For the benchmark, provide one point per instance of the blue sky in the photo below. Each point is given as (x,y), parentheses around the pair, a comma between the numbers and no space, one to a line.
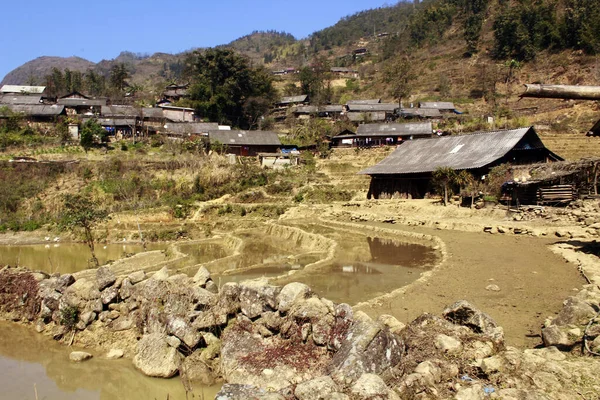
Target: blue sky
(101,30)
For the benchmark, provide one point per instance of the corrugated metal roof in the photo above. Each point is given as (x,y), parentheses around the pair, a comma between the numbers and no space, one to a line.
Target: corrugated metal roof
(371,101)
(440,105)
(245,138)
(37,110)
(129,122)
(192,128)
(394,129)
(458,152)
(420,112)
(370,116)
(19,99)
(119,111)
(175,108)
(293,99)
(315,109)
(387,107)
(22,89)
(152,112)
(81,102)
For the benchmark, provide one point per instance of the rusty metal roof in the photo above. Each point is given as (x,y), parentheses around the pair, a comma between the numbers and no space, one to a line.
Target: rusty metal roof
(394,129)
(458,152)
(245,138)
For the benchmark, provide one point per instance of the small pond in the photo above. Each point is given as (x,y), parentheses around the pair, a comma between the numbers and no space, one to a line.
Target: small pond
(67,257)
(32,362)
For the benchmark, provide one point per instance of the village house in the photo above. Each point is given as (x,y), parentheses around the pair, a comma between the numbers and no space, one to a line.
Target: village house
(407,172)
(444,107)
(391,134)
(78,104)
(35,113)
(174,92)
(357,112)
(289,101)
(344,72)
(22,89)
(244,143)
(333,111)
(420,113)
(365,101)
(6,99)
(178,114)
(189,129)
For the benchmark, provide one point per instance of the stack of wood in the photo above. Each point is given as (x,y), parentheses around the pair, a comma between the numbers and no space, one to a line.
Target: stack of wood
(556,194)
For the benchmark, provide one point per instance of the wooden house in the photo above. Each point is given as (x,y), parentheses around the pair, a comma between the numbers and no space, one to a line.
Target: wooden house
(407,172)
(444,107)
(189,129)
(370,135)
(355,110)
(175,92)
(177,114)
(22,89)
(328,111)
(344,72)
(289,101)
(78,104)
(244,143)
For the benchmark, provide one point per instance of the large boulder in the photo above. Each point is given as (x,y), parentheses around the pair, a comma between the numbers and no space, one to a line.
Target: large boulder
(290,294)
(179,327)
(318,388)
(575,311)
(202,276)
(105,277)
(195,369)
(368,347)
(154,357)
(465,314)
(257,296)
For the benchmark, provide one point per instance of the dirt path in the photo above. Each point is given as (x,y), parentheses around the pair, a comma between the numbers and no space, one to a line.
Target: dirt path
(533,281)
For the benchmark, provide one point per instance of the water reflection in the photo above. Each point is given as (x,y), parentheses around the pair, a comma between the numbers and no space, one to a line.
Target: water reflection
(66,257)
(28,359)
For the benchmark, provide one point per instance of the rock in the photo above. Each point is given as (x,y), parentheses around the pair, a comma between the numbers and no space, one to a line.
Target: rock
(575,311)
(183,330)
(365,348)
(312,309)
(194,369)
(501,229)
(136,277)
(392,323)
(370,386)
(203,297)
(104,277)
(121,324)
(115,354)
(257,296)
(40,326)
(318,388)
(202,276)
(231,391)
(87,317)
(290,294)
(81,292)
(448,344)
(321,330)
(430,372)
(595,345)
(492,288)
(492,364)
(79,356)
(161,275)
(465,314)
(173,341)
(64,281)
(126,289)
(553,335)
(474,392)
(109,295)
(154,357)
(212,287)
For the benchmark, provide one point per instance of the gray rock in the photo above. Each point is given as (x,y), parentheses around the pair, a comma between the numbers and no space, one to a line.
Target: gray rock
(195,369)
(316,389)
(173,341)
(370,386)
(114,354)
(465,314)
(79,356)
(126,289)
(183,330)
(493,288)
(122,324)
(64,281)
(203,297)
(40,326)
(104,277)
(136,277)
(290,294)
(212,287)
(202,276)
(244,392)
(87,317)
(575,311)
(109,295)
(161,275)
(391,322)
(312,309)
(257,296)
(366,348)
(154,357)
(553,335)
(447,344)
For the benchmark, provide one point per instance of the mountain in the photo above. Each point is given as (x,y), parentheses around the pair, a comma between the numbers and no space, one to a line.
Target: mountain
(263,47)
(33,72)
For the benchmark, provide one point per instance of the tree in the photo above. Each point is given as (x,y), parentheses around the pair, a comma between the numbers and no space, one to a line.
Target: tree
(90,132)
(444,178)
(399,74)
(223,82)
(118,77)
(80,212)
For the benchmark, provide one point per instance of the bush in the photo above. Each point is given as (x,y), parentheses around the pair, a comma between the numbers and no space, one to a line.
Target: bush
(69,316)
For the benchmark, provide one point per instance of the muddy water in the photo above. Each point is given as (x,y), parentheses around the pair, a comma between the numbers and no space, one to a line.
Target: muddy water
(364,266)
(30,362)
(66,257)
